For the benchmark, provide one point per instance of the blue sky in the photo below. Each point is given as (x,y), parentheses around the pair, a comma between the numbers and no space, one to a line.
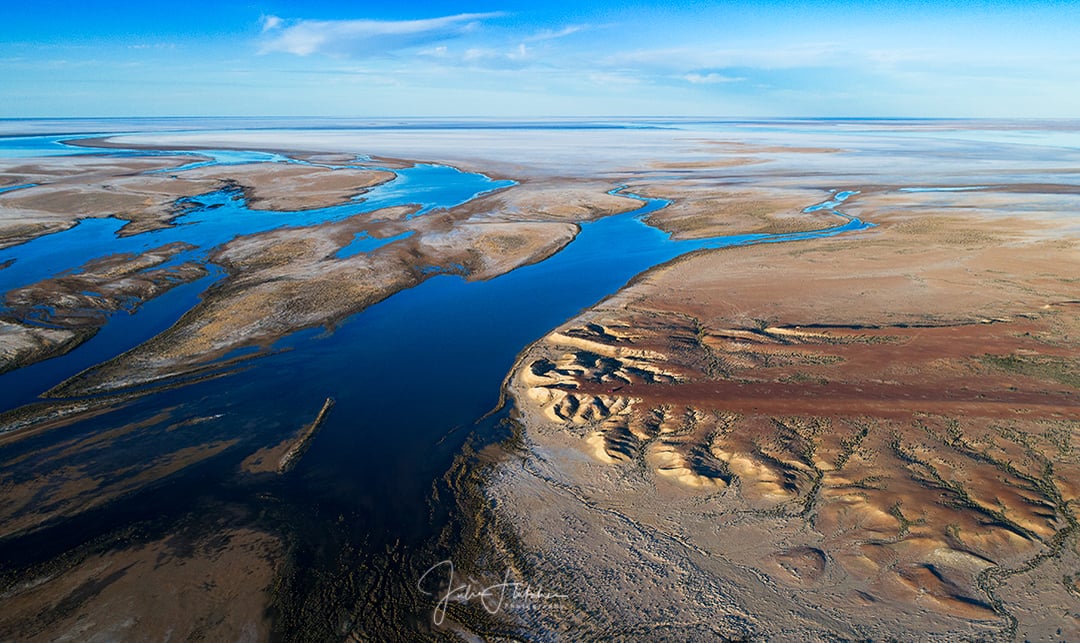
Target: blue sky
(517,59)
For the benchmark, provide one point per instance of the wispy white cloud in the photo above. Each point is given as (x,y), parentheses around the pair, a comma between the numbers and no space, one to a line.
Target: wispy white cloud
(613,79)
(688,61)
(153,45)
(551,34)
(482,58)
(442,51)
(476,53)
(269,23)
(687,58)
(710,79)
(362,38)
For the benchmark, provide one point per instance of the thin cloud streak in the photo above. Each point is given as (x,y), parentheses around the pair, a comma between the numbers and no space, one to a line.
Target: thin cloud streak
(711,79)
(549,34)
(362,38)
(705,57)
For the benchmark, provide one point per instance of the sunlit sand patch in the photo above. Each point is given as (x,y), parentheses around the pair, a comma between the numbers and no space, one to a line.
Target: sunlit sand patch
(495,248)
(758,481)
(21,344)
(614,442)
(603,348)
(289,187)
(669,460)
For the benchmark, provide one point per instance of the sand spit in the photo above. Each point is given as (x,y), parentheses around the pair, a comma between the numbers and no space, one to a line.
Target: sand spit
(563,199)
(493,248)
(287,187)
(21,344)
(293,454)
(702,210)
(53,316)
(67,189)
(284,456)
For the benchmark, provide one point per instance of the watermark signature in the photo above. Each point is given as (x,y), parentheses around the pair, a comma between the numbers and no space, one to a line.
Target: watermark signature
(493,598)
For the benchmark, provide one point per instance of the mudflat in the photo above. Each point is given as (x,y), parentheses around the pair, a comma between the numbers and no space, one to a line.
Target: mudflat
(868,435)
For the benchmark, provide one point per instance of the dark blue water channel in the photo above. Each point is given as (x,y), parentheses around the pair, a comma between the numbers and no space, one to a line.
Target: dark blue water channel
(410,375)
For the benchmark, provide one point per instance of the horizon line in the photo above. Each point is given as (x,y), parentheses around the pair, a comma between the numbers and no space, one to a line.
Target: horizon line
(597,117)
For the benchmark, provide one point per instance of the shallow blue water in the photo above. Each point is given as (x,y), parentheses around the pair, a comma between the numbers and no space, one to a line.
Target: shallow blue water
(124,331)
(364,242)
(831,204)
(431,187)
(14,147)
(963,188)
(222,157)
(218,217)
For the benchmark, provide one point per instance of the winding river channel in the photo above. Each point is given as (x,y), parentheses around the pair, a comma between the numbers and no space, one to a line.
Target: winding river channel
(410,375)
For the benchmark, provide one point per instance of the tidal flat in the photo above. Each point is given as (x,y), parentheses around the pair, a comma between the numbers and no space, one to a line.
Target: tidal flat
(700,381)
